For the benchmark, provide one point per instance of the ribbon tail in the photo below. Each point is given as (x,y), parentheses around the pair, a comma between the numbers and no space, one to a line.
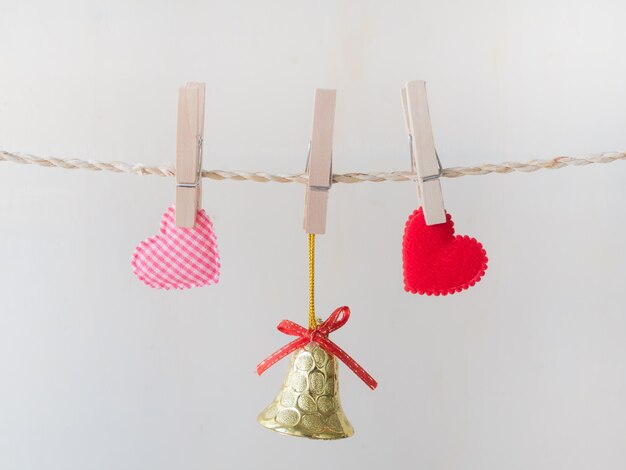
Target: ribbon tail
(347,360)
(282,352)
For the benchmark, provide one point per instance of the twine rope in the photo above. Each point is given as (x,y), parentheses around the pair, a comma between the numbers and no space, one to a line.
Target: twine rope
(169,170)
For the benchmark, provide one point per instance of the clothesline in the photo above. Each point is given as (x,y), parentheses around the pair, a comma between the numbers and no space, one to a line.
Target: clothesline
(260,177)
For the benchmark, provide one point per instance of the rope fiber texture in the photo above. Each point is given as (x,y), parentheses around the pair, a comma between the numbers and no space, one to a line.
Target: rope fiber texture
(261,177)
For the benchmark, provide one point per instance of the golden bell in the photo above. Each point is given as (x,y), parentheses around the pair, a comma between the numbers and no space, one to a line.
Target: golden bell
(308,403)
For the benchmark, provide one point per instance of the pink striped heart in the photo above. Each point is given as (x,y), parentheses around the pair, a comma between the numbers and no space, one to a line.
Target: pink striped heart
(179,258)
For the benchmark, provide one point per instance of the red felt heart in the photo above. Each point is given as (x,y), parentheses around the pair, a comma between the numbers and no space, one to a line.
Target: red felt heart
(438,262)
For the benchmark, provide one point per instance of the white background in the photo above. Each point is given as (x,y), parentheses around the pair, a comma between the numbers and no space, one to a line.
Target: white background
(524,371)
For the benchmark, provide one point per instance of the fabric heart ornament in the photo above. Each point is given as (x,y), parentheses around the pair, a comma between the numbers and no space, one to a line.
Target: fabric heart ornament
(438,262)
(179,258)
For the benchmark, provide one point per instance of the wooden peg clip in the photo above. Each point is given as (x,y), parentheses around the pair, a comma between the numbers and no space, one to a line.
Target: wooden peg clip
(319,163)
(424,159)
(190,130)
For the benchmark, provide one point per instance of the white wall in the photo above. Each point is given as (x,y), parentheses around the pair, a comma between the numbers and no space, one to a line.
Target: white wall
(524,371)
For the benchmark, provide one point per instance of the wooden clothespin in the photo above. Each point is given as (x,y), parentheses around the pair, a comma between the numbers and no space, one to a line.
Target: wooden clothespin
(189,136)
(319,163)
(424,158)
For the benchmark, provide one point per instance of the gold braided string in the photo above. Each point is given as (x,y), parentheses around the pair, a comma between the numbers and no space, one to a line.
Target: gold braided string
(312,320)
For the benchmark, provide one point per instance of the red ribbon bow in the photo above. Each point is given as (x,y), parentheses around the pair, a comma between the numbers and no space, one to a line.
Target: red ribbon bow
(320,335)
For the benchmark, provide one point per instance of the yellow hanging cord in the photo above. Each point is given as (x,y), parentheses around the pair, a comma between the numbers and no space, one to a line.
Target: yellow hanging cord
(312,320)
